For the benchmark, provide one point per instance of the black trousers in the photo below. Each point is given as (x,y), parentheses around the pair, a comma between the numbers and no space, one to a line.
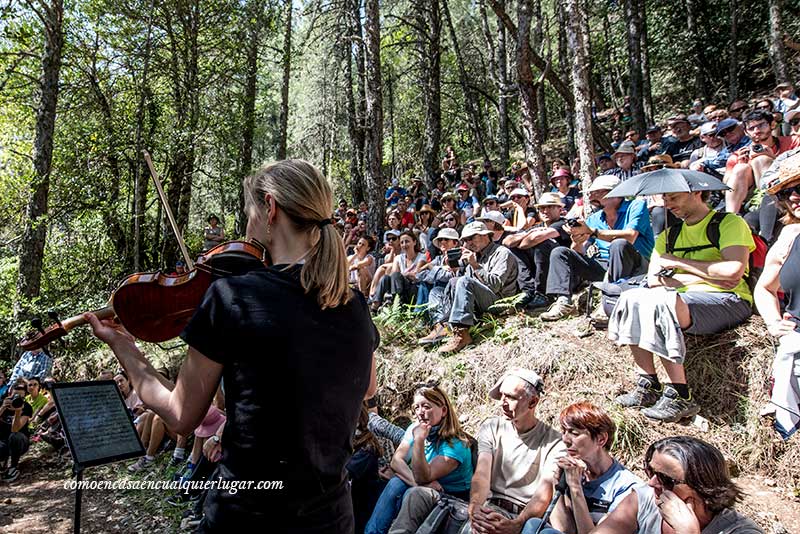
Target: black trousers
(533,265)
(764,221)
(15,445)
(569,268)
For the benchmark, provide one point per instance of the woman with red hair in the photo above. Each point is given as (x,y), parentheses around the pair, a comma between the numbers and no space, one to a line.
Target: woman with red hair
(597,482)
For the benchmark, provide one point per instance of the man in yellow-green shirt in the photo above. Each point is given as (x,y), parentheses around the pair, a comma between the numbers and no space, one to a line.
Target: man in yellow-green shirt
(694,287)
(36,398)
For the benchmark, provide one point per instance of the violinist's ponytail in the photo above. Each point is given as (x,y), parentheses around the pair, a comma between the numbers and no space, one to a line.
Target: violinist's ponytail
(304,194)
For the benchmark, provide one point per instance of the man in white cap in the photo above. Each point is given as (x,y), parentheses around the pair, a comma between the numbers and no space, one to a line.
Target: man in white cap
(712,145)
(517,455)
(432,278)
(533,248)
(623,235)
(488,272)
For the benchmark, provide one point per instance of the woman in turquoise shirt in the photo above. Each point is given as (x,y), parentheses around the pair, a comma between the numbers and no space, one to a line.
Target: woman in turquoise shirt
(434,452)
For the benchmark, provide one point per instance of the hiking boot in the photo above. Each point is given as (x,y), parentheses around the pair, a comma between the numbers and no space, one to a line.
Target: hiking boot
(11,474)
(460,339)
(141,463)
(537,301)
(643,396)
(438,333)
(671,407)
(585,329)
(561,308)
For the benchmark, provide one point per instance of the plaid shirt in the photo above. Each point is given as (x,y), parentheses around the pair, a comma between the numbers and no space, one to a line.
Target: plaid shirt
(32,364)
(624,175)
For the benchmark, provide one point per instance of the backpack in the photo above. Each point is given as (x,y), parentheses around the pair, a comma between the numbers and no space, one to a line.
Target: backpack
(757,257)
(449,517)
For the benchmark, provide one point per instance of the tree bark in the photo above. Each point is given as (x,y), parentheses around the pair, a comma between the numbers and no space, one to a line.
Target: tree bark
(647,90)
(733,47)
(528,88)
(283,124)
(698,54)
(777,52)
(34,233)
(538,38)
(498,70)
(254,23)
(634,34)
(140,177)
(428,29)
(470,99)
(564,67)
(577,31)
(355,115)
(373,147)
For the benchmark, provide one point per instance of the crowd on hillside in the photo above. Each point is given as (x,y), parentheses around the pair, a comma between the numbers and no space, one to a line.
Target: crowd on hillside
(694,261)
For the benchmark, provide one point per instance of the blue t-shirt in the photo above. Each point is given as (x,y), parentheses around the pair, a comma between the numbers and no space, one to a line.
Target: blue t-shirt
(603,494)
(392,201)
(458,480)
(631,215)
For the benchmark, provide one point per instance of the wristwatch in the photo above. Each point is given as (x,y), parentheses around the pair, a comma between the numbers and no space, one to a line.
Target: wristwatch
(215,438)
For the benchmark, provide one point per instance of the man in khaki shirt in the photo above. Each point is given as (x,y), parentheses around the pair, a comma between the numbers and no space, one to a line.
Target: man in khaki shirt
(517,454)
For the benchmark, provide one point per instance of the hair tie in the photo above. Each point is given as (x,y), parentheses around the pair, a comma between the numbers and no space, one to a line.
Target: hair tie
(324,222)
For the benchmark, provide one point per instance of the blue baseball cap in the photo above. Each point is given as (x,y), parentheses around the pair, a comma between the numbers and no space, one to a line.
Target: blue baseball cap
(725,124)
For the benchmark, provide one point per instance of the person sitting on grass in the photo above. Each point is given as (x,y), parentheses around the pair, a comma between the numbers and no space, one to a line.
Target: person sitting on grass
(361,264)
(694,287)
(597,482)
(434,456)
(15,413)
(689,491)
(432,277)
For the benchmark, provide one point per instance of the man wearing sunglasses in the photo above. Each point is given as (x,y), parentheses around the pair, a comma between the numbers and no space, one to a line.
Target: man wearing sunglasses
(737,109)
(745,166)
(732,133)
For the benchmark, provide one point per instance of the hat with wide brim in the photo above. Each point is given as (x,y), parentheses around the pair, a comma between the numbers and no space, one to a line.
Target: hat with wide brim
(494,216)
(211,423)
(446,233)
(525,374)
(789,115)
(626,148)
(604,182)
(667,181)
(448,196)
(426,208)
(788,175)
(549,199)
(475,228)
(659,161)
(559,173)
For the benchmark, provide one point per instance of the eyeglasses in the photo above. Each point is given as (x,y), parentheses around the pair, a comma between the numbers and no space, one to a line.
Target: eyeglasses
(449,219)
(759,126)
(794,122)
(665,481)
(391,238)
(784,194)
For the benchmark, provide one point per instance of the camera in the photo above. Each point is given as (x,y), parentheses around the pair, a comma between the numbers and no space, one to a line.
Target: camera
(17,401)
(666,273)
(574,222)
(454,257)
(757,148)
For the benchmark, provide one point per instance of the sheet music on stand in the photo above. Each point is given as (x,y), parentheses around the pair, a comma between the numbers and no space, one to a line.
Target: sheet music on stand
(98,425)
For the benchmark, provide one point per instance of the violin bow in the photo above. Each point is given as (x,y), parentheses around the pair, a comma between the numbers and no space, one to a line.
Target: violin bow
(186,258)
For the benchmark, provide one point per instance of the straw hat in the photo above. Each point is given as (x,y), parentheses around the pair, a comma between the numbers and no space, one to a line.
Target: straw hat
(788,175)
(475,228)
(659,161)
(549,199)
(445,233)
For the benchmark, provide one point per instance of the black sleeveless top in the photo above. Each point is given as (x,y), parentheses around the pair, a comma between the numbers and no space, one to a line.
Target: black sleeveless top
(790,282)
(295,377)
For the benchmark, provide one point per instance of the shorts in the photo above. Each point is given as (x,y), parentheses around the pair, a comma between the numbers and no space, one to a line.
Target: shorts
(714,312)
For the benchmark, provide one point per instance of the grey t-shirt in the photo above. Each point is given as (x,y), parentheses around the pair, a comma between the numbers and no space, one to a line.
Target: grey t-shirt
(726,522)
(519,461)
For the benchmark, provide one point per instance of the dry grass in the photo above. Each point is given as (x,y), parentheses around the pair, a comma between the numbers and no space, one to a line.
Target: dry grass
(729,375)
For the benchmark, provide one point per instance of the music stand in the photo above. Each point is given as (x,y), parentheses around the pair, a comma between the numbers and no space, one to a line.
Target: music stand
(98,427)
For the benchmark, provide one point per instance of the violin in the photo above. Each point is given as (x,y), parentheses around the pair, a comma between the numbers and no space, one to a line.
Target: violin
(156,307)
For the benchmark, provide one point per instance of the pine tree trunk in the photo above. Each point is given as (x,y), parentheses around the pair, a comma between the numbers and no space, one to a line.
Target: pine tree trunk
(698,54)
(429,26)
(538,39)
(634,34)
(34,233)
(355,106)
(733,50)
(498,69)
(255,15)
(777,52)
(470,100)
(527,99)
(283,124)
(373,149)
(649,109)
(577,32)
(564,68)
(140,176)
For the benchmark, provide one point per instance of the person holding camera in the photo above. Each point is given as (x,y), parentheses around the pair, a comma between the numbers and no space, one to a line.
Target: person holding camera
(15,413)
(487,272)
(622,233)
(432,278)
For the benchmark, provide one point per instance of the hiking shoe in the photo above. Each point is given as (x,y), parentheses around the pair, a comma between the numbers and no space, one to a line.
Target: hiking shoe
(598,318)
(11,474)
(642,396)
(585,329)
(175,461)
(671,407)
(141,463)
(460,339)
(561,308)
(537,301)
(438,333)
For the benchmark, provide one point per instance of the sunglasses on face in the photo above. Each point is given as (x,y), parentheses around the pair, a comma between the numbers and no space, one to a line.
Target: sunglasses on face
(726,131)
(391,238)
(449,219)
(737,110)
(794,122)
(665,481)
(784,194)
